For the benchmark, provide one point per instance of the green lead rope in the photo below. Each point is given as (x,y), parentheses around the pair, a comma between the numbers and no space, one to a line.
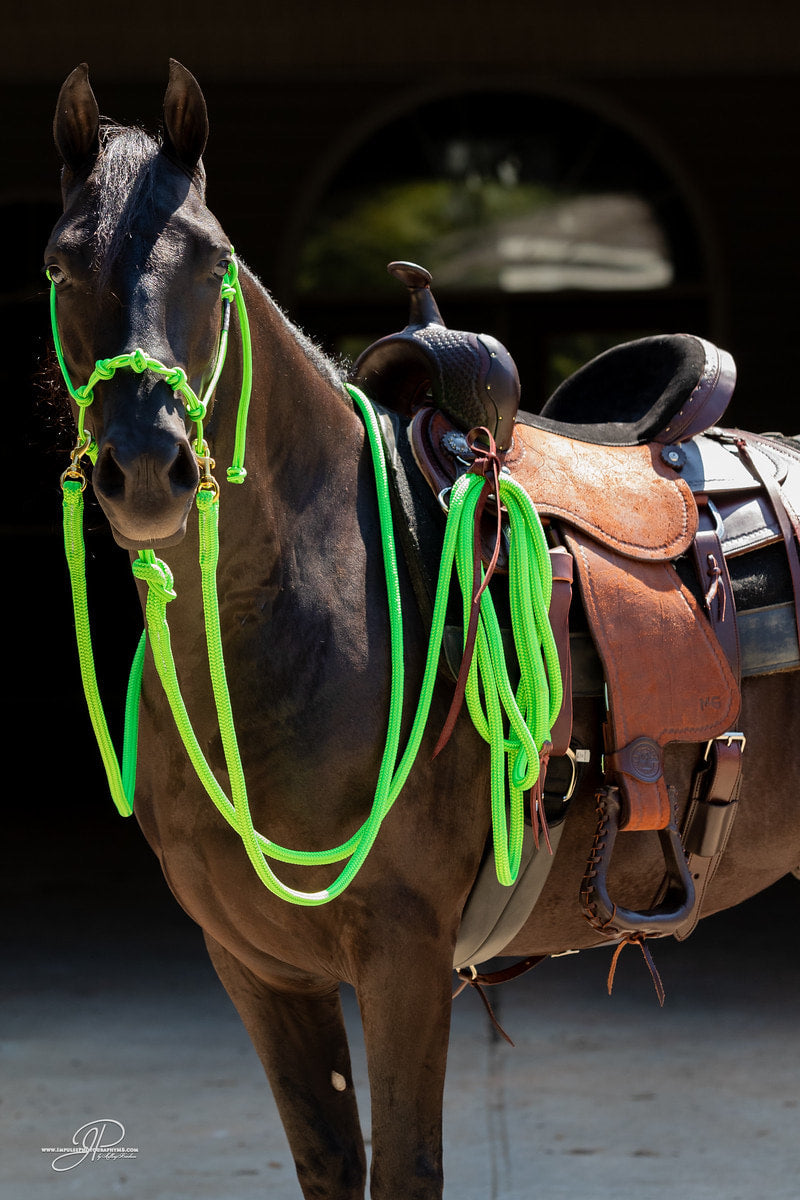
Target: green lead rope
(516,725)
(121,783)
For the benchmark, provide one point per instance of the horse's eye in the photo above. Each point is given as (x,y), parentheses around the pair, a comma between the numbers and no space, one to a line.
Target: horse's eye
(55,274)
(221,268)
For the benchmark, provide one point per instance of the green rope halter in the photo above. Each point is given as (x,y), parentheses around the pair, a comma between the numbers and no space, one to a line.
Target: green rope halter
(516,725)
(139,362)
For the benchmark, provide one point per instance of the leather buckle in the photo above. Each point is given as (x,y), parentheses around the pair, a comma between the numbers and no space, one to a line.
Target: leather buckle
(575,757)
(728,738)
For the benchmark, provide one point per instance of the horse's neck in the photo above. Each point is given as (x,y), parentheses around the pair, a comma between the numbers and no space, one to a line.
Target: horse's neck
(303,440)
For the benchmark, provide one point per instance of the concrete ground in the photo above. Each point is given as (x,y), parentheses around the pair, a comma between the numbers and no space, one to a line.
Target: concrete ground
(110,1011)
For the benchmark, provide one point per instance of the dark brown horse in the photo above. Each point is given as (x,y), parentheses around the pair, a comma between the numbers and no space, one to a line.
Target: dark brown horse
(137,260)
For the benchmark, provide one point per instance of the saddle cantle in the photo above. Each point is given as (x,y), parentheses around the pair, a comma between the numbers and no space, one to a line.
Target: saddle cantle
(663,389)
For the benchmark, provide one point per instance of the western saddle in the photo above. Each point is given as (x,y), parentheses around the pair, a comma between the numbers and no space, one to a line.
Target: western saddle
(652,506)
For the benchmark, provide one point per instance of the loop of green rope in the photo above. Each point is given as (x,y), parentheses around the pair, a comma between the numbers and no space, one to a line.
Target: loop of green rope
(514,725)
(232,290)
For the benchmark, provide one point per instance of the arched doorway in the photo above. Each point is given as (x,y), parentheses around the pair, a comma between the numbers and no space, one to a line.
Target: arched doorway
(542,222)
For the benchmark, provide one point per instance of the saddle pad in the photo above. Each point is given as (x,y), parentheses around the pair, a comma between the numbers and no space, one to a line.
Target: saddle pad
(624,497)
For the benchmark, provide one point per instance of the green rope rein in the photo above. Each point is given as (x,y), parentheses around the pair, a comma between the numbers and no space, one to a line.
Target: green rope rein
(516,725)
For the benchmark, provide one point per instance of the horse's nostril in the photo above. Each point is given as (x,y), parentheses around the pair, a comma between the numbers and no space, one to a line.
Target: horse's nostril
(108,476)
(184,474)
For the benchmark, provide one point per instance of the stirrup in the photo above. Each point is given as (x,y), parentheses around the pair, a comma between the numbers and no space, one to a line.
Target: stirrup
(600,910)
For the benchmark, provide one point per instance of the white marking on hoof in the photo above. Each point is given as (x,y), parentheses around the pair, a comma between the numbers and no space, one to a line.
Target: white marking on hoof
(338,1081)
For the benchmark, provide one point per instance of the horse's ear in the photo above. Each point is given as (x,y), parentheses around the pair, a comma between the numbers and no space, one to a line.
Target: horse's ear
(185,117)
(76,124)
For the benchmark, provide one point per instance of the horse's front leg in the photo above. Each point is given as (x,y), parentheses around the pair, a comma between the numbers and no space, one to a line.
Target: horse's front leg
(405,997)
(301,1040)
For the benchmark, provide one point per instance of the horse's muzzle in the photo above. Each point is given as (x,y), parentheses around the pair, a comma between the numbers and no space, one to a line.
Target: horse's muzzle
(146,493)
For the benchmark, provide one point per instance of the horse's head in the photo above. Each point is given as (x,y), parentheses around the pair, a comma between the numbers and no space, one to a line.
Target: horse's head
(137,262)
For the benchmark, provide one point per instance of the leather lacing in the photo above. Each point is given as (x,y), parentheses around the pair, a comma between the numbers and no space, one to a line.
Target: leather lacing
(607,927)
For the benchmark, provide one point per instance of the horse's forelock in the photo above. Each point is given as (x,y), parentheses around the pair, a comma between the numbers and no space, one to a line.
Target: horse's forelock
(123,184)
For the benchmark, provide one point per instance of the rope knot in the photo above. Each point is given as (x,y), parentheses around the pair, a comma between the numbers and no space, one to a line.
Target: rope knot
(102,369)
(176,378)
(157,575)
(196,412)
(138,361)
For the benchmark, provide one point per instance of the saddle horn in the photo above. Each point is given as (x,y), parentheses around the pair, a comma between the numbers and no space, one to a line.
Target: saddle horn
(469,376)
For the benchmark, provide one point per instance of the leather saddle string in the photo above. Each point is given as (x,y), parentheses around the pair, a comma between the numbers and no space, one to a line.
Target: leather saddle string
(469,977)
(486,460)
(640,940)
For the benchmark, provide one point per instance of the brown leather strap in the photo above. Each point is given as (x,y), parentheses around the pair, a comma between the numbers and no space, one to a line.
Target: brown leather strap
(471,978)
(468,975)
(715,791)
(709,818)
(560,600)
(712,571)
(640,940)
(486,465)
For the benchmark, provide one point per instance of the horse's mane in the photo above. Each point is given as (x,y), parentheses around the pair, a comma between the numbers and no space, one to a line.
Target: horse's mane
(332,371)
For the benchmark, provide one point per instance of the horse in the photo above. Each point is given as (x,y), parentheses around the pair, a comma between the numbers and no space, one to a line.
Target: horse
(138,260)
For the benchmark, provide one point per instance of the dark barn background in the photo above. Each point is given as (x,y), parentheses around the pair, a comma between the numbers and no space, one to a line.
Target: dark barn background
(317,109)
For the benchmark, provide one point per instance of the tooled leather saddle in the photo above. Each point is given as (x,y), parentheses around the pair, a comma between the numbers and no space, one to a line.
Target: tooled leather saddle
(655,506)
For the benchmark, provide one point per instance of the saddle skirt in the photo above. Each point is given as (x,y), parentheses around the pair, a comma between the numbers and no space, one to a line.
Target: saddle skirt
(625,496)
